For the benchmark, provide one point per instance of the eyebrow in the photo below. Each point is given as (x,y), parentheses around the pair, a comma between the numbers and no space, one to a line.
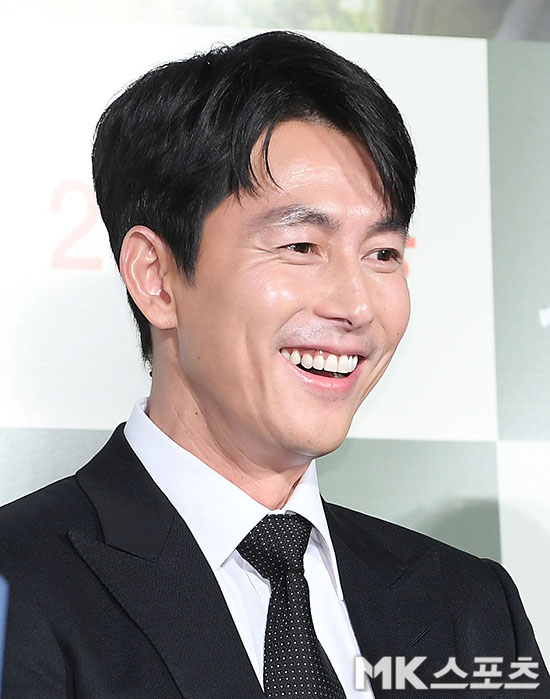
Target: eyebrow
(295,215)
(300,214)
(390,224)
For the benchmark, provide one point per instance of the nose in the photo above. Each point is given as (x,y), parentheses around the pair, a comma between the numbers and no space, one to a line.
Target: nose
(347,295)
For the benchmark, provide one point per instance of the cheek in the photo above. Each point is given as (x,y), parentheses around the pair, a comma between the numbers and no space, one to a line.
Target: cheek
(404,310)
(279,294)
(266,294)
(239,314)
(396,308)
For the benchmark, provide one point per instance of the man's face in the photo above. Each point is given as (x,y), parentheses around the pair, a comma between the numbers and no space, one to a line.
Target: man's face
(307,271)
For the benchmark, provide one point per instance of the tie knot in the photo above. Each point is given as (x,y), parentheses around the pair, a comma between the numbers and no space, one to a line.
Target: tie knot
(276,545)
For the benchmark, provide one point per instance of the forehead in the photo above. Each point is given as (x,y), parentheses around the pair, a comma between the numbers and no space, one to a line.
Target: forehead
(314,175)
(302,151)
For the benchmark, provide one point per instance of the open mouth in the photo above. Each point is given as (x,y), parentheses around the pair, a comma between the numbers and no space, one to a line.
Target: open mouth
(322,364)
(322,372)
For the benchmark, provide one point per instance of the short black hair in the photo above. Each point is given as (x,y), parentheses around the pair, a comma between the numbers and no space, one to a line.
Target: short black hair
(178,141)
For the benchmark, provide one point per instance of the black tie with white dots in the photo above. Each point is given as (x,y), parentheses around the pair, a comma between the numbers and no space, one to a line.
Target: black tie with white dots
(295,664)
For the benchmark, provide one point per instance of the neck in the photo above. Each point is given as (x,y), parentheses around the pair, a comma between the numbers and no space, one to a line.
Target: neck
(270,479)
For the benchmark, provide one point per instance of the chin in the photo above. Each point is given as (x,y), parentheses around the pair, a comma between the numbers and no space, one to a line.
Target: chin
(317,444)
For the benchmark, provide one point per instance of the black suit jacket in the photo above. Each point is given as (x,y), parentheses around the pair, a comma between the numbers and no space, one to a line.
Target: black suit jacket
(111,597)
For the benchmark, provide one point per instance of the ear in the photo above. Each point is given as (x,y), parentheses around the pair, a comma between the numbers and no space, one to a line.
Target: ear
(147,266)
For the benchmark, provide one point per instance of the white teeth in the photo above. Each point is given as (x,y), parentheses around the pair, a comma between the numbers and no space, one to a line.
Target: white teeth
(318,362)
(342,364)
(307,361)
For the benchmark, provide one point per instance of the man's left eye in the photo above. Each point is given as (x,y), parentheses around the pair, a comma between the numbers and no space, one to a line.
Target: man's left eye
(300,247)
(386,255)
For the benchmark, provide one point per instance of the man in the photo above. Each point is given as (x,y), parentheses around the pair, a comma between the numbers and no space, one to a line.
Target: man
(257,200)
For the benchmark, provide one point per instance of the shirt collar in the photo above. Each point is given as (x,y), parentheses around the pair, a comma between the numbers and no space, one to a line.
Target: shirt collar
(218,513)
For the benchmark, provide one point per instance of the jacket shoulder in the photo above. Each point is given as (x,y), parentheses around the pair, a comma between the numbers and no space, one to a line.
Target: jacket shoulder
(466,579)
(470,584)
(60,506)
(32,524)
(402,542)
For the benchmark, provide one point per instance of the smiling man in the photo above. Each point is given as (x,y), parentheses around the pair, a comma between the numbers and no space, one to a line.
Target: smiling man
(257,199)
(297,304)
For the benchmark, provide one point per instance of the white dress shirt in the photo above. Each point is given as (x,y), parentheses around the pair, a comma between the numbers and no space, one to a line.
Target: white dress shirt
(220,515)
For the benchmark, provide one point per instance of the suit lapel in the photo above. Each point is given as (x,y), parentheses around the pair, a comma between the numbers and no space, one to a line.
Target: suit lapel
(395,606)
(153,567)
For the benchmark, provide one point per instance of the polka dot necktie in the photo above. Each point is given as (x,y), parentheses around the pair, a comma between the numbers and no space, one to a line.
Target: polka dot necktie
(295,664)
